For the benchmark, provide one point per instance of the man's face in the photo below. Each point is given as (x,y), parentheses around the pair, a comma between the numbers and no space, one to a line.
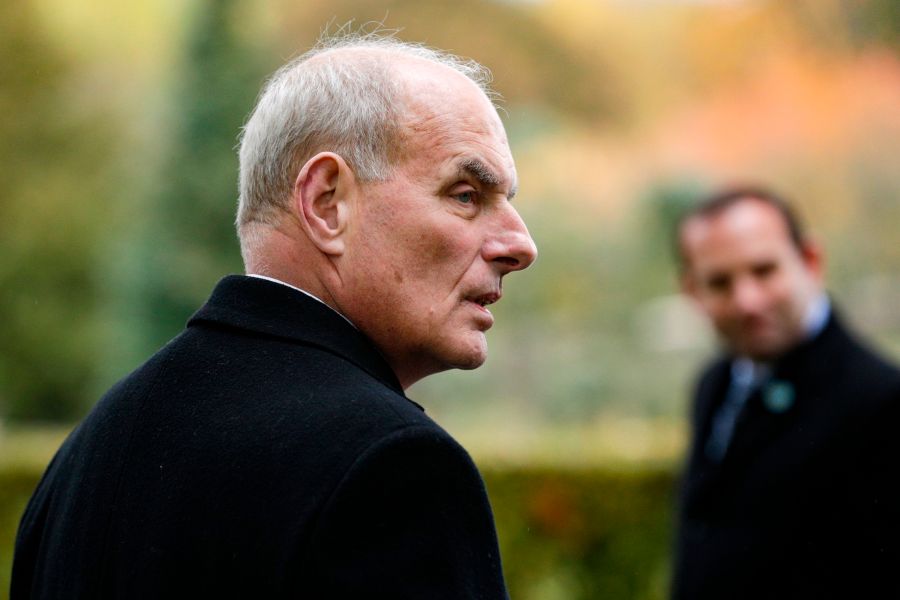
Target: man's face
(745,273)
(431,244)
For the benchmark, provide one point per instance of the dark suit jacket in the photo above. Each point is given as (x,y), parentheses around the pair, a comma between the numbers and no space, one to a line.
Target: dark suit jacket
(804,503)
(266,452)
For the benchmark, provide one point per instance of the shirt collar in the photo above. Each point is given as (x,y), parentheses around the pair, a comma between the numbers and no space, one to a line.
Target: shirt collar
(747,373)
(817,316)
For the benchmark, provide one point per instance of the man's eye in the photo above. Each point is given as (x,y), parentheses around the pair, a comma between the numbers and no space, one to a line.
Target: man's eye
(468,197)
(718,284)
(764,270)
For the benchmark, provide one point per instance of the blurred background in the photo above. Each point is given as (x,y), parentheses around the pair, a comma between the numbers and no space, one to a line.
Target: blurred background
(117,156)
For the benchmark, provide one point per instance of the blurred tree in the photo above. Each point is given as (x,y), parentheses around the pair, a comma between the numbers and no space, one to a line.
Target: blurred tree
(532,65)
(55,157)
(857,23)
(663,205)
(882,18)
(185,240)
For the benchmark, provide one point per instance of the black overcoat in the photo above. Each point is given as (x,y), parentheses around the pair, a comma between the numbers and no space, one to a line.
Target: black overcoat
(268,451)
(805,502)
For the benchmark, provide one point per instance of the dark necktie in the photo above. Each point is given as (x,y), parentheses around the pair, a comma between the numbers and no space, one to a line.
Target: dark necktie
(746,378)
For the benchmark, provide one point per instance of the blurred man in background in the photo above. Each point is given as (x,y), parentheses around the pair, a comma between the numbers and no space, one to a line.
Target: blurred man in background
(269,450)
(790,489)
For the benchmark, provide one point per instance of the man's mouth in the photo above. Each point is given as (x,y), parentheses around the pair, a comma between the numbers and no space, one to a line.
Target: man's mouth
(755,325)
(484,300)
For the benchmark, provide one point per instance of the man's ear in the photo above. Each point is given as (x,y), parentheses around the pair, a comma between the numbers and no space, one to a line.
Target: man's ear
(811,253)
(687,282)
(321,196)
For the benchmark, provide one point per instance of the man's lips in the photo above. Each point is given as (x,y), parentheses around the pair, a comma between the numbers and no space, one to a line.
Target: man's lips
(484,299)
(481,302)
(755,324)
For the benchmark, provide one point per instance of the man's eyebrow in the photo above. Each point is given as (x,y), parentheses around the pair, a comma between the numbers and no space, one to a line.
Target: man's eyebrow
(484,175)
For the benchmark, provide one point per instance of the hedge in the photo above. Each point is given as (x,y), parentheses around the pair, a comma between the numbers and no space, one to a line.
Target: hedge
(583,533)
(564,533)
(16,485)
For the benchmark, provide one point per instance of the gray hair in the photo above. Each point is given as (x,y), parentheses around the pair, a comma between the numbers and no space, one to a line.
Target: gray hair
(349,105)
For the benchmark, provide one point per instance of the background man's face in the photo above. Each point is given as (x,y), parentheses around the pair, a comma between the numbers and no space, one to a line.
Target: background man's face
(437,237)
(749,278)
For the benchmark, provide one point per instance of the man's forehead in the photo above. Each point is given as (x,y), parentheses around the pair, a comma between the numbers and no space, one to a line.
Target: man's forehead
(446,116)
(468,143)
(746,218)
(731,235)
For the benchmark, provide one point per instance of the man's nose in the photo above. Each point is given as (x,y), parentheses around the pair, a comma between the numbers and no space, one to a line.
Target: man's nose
(749,295)
(511,246)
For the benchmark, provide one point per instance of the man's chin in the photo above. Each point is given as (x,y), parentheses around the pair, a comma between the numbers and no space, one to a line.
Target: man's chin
(764,350)
(471,357)
(470,362)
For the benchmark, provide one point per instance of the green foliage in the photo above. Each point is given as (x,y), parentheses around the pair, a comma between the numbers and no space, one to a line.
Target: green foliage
(882,19)
(663,207)
(866,22)
(586,533)
(55,166)
(16,486)
(185,239)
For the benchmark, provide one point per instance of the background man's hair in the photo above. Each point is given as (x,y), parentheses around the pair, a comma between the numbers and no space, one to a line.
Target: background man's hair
(324,101)
(722,200)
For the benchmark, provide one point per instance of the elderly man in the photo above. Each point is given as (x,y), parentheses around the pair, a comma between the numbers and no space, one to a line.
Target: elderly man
(790,489)
(269,450)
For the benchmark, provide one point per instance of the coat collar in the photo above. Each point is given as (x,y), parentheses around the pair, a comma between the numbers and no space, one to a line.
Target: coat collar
(804,369)
(801,371)
(809,357)
(269,308)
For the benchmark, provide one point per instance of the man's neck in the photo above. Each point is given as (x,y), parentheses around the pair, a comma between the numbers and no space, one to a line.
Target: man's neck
(817,314)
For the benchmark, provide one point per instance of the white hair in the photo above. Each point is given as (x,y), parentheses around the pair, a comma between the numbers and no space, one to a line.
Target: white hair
(346,103)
